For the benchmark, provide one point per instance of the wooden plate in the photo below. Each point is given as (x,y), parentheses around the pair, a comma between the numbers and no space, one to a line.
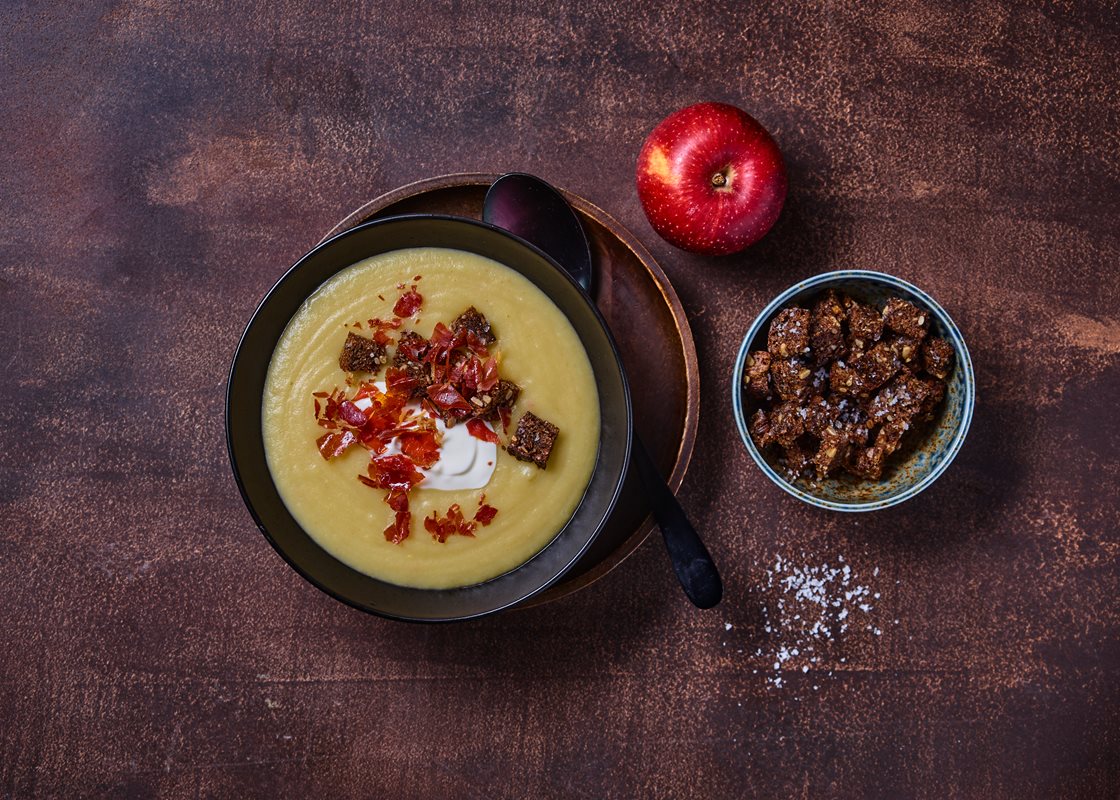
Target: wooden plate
(652,333)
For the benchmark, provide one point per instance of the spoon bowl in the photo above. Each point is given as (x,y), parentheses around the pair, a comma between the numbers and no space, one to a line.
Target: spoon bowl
(532,209)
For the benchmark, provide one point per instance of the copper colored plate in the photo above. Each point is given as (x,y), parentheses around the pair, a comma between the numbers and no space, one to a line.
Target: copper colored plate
(649,326)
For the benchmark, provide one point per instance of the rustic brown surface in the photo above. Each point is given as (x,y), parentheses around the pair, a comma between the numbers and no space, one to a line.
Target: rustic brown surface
(163,165)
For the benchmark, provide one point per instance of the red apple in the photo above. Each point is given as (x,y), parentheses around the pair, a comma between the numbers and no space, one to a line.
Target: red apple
(711,179)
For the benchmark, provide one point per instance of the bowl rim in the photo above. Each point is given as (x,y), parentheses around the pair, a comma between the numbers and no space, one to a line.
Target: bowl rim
(614,494)
(964,360)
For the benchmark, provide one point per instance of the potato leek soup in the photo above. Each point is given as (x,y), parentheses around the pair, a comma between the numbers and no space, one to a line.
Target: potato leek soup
(430,418)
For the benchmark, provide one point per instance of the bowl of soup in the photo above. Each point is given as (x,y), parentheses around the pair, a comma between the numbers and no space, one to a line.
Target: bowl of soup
(428,418)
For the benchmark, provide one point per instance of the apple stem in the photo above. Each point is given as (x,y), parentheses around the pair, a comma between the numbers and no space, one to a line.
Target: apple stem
(719,179)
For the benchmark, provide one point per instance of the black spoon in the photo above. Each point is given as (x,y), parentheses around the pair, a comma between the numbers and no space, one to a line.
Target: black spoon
(532,209)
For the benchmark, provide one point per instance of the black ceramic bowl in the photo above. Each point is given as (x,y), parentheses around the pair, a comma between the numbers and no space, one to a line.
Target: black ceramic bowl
(246,442)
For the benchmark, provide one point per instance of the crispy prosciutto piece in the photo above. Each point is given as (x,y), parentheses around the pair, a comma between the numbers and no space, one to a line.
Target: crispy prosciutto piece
(450,524)
(381,328)
(480,430)
(411,347)
(443,341)
(402,520)
(397,474)
(332,445)
(401,381)
(351,414)
(488,375)
(453,523)
(420,446)
(485,514)
(446,397)
(392,472)
(408,303)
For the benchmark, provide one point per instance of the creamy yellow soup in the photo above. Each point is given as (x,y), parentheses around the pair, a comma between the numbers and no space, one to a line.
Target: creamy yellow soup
(539,350)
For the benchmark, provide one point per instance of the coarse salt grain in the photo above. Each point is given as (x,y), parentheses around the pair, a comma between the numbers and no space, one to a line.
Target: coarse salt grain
(810,609)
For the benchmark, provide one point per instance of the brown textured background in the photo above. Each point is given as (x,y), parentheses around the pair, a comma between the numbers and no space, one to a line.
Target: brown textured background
(164,164)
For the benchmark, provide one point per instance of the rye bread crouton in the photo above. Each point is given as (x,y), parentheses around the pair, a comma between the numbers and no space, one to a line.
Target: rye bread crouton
(360,354)
(533,440)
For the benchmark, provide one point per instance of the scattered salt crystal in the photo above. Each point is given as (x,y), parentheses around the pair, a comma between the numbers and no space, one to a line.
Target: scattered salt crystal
(811,604)
(727,626)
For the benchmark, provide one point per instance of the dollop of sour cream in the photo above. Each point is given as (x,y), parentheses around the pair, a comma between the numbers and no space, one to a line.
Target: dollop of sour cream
(464,461)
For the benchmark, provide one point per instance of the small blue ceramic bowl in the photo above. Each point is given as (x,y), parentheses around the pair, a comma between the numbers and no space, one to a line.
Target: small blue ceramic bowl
(910,470)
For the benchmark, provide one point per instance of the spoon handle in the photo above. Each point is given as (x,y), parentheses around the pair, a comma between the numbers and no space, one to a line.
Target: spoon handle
(691,561)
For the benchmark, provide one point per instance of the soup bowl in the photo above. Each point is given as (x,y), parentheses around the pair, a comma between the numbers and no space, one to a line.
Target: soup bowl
(246,439)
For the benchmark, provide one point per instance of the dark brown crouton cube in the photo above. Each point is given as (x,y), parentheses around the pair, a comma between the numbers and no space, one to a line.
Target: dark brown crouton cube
(900,400)
(830,304)
(866,462)
(875,367)
(906,318)
(928,409)
(757,376)
(832,452)
(819,414)
(421,373)
(411,348)
(826,339)
(786,424)
(907,349)
(844,380)
(797,459)
(865,327)
(937,357)
(789,333)
(790,377)
(488,404)
(858,433)
(533,440)
(889,438)
(472,320)
(759,428)
(360,354)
